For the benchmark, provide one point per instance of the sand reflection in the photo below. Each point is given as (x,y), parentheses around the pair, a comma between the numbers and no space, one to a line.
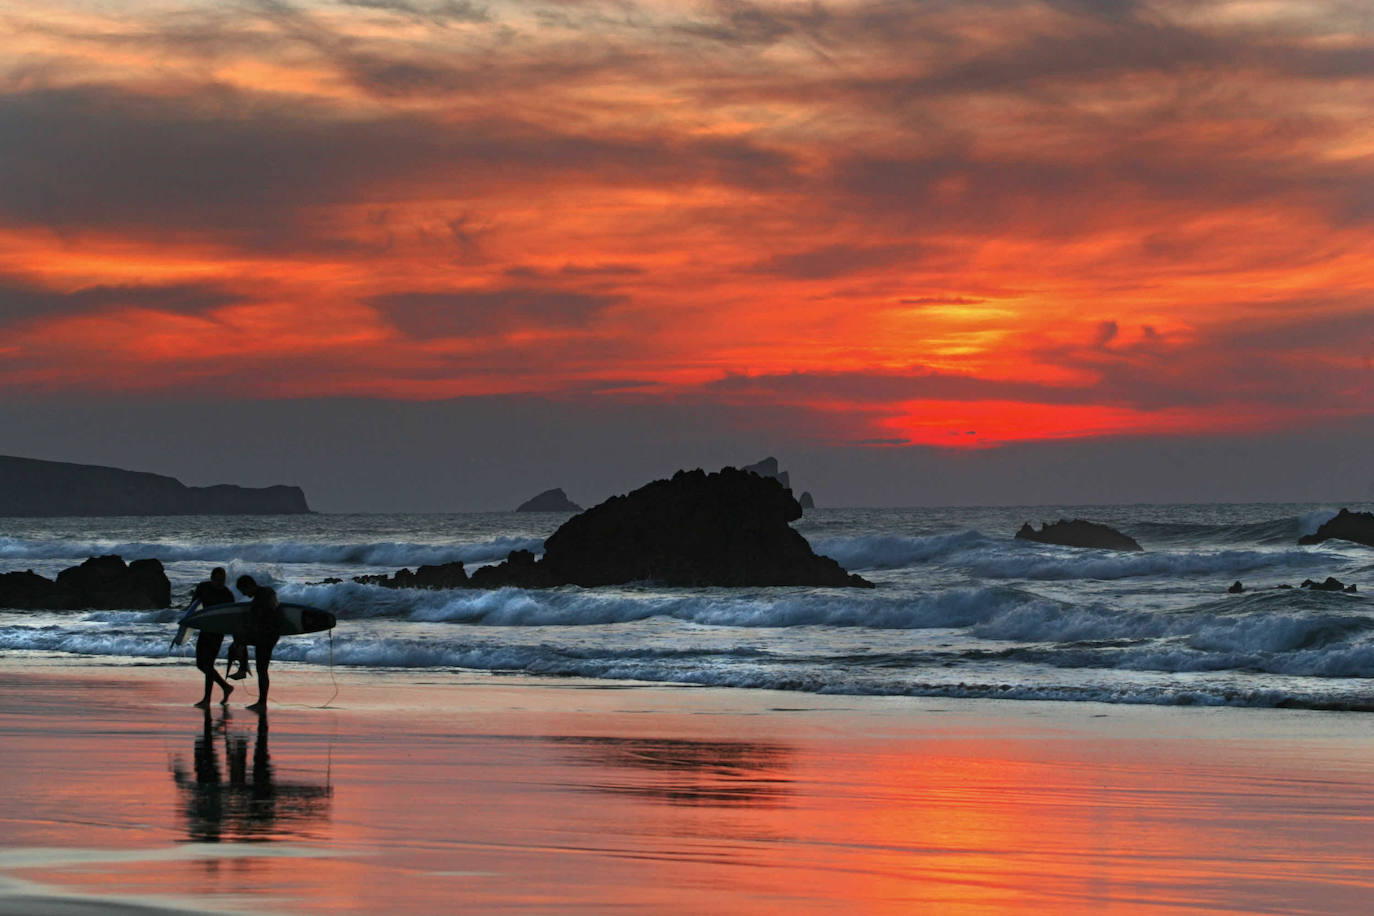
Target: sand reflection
(226,796)
(687,772)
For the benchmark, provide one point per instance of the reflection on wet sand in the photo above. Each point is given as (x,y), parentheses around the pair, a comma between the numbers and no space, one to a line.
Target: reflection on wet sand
(687,772)
(248,805)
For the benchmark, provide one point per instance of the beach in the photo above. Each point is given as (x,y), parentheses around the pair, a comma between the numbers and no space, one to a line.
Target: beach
(475,792)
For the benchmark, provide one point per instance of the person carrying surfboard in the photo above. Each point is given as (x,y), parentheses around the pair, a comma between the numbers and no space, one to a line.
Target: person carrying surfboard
(209,593)
(264,629)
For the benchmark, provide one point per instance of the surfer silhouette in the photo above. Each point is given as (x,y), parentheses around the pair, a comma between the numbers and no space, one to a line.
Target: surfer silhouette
(264,629)
(211,592)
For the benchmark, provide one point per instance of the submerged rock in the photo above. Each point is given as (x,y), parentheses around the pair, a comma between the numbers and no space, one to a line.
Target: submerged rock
(554,500)
(1346,526)
(100,583)
(1078,533)
(1236,588)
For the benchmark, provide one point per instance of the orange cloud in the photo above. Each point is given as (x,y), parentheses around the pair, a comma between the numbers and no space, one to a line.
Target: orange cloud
(1081,221)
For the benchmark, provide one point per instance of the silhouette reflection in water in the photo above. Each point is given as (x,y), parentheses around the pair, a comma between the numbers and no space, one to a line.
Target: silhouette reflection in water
(686,772)
(249,805)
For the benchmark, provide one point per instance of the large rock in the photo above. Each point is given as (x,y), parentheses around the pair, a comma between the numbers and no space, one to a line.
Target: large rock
(29,487)
(1078,533)
(554,500)
(728,529)
(100,583)
(1346,526)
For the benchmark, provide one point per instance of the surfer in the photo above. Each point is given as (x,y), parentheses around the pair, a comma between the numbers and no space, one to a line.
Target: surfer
(264,629)
(209,593)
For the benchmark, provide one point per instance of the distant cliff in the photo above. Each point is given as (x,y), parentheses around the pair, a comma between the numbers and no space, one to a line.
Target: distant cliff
(29,487)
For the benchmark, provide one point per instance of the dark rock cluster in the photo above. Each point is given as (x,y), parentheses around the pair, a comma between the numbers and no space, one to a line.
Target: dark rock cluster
(100,583)
(729,528)
(1346,526)
(1078,533)
(1330,584)
(443,575)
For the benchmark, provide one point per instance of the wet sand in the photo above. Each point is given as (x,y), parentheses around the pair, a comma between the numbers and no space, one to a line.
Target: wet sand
(433,792)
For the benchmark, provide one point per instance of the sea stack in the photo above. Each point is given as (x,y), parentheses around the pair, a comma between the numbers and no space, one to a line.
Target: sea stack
(729,528)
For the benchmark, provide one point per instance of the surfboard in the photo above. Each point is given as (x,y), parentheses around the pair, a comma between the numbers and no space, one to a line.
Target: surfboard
(233,620)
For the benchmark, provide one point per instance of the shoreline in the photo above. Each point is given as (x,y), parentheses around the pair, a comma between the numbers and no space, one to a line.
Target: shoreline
(415,789)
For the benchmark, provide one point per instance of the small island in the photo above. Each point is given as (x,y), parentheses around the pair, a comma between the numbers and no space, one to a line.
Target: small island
(554,500)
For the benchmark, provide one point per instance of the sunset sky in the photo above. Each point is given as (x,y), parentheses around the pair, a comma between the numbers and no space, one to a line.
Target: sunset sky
(882,240)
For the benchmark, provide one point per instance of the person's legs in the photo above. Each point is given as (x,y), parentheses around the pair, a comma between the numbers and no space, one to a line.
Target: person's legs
(238,652)
(262,657)
(207,650)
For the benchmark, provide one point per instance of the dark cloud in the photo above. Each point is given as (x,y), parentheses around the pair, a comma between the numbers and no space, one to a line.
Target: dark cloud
(1106,332)
(460,313)
(839,260)
(244,166)
(739,22)
(20,300)
(443,12)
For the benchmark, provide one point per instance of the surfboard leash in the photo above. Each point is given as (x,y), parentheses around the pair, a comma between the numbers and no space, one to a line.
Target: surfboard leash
(331,671)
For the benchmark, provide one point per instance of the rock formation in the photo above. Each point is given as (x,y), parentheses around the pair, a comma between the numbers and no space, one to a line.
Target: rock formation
(768,467)
(725,529)
(805,500)
(444,575)
(1078,533)
(554,500)
(1332,584)
(100,583)
(29,487)
(1346,526)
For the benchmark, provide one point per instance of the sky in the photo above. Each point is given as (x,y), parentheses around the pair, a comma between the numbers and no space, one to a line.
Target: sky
(444,254)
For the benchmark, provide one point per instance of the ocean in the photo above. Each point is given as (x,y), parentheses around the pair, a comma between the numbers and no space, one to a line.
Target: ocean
(961,608)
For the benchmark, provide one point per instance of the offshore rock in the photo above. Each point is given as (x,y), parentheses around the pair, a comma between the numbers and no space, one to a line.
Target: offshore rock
(554,500)
(1332,584)
(443,575)
(729,528)
(1346,526)
(806,501)
(100,583)
(1078,533)
(33,488)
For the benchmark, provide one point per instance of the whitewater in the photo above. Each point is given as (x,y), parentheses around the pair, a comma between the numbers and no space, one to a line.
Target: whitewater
(961,608)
